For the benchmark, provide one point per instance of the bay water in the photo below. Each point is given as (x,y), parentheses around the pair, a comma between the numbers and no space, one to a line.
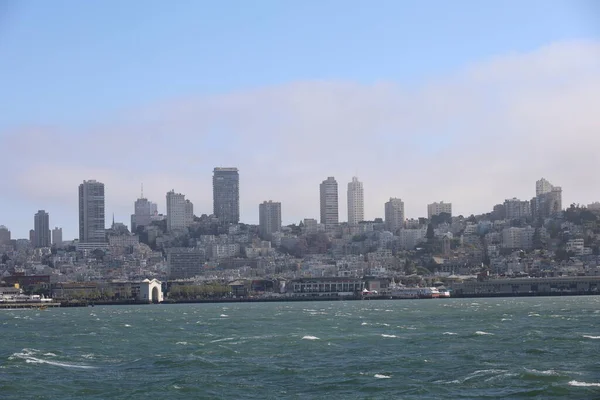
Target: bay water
(541,347)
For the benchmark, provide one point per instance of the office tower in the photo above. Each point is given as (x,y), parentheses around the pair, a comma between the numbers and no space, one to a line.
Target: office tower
(185,263)
(179,211)
(515,208)
(41,226)
(143,211)
(394,214)
(356,204)
(4,235)
(91,212)
(226,195)
(57,236)
(438,208)
(542,186)
(269,216)
(329,202)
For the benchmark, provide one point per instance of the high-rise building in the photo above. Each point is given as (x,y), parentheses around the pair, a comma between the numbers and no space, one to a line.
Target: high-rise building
(41,226)
(91,212)
(4,235)
(226,195)
(548,199)
(185,263)
(394,214)
(356,202)
(438,208)
(329,202)
(144,211)
(179,211)
(515,208)
(32,237)
(269,216)
(57,236)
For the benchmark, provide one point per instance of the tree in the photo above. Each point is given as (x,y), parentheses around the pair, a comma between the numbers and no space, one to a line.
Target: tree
(430,233)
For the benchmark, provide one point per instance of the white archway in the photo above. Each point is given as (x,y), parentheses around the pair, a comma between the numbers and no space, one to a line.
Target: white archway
(151,291)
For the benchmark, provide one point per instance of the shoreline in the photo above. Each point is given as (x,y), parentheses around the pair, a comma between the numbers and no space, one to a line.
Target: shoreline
(318,298)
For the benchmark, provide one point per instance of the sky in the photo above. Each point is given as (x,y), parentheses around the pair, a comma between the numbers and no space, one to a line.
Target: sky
(468,102)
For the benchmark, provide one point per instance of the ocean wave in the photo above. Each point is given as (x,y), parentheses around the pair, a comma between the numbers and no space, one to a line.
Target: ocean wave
(29,356)
(591,337)
(381,376)
(223,315)
(308,337)
(483,333)
(127,326)
(449,333)
(584,384)
(221,340)
(388,336)
(182,343)
(50,354)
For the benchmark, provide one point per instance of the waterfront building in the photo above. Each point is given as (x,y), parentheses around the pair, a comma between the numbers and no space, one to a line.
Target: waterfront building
(394,214)
(438,208)
(269,216)
(179,211)
(329,202)
(185,263)
(356,207)
(57,236)
(41,226)
(91,213)
(226,195)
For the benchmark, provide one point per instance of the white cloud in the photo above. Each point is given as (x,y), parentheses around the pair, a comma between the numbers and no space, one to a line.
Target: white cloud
(474,137)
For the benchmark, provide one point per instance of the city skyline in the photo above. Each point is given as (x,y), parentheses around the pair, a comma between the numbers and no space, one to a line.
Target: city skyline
(408,102)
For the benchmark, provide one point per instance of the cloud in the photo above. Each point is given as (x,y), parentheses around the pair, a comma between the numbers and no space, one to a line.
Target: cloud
(473,137)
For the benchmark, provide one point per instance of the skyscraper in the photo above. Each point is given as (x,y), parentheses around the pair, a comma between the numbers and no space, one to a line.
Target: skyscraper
(179,211)
(41,226)
(226,195)
(394,214)
(356,204)
(91,212)
(542,186)
(329,202)
(548,199)
(4,235)
(57,236)
(143,212)
(269,216)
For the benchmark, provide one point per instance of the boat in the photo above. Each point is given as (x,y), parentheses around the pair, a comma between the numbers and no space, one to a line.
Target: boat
(414,292)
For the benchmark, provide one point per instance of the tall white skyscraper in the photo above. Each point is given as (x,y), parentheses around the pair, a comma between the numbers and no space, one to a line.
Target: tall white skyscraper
(542,187)
(269,216)
(57,236)
(179,211)
(91,212)
(41,222)
(548,199)
(329,202)
(438,208)
(394,214)
(356,203)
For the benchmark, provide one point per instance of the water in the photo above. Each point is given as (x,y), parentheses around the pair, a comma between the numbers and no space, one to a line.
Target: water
(446,348)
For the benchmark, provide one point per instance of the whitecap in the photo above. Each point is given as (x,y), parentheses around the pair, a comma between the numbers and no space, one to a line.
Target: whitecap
(221,340)
(28,357)
(224,315)
(506,319)
(50,354)
(176,387)
(381,376)
(310,338)
(584,384)
(591,337)
(449,333)
(364,323)
(483,333)
(182,343)
(389,336)
(127,326)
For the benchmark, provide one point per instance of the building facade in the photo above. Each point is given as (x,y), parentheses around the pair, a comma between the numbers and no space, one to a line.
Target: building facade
(329,202)
(226,195)
(548,199)
(438,208)
(179,211)
(143,212)
(356,202)
(184,263)
(4,235)
(91,212)
(394,214)
(41,226)
(57,236)
(515,208)
(269,216)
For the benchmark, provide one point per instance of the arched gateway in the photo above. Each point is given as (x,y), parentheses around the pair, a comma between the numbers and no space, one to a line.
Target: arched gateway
(151,291)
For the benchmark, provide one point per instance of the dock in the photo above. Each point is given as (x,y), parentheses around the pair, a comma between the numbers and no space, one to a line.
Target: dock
(21,306)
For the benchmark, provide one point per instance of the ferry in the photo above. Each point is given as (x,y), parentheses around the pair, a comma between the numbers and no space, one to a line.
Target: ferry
(407,292)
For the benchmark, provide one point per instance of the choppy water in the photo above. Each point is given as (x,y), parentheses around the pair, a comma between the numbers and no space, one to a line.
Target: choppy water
(452,348)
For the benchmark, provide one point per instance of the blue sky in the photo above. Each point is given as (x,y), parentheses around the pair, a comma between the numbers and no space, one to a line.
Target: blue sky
(74,73)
